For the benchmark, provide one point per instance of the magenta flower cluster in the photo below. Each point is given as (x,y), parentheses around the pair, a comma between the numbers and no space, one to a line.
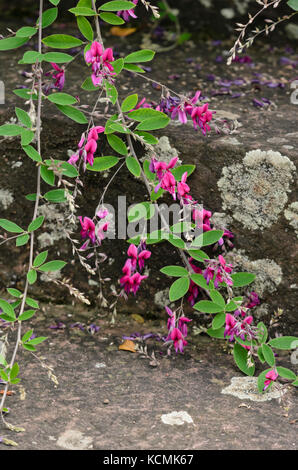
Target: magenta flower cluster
(132,279)
(200,115)
(88,150)
(177,330)
(93,234)
(100,60)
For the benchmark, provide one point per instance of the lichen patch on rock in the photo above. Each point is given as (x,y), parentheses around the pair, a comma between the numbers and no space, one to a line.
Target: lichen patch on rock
(255,191)
(246,388)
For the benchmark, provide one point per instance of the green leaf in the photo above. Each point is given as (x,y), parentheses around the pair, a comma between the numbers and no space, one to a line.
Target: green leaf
(85,28)
(153,124)
(118,65)
(117,5)
(88,85)
(179,288)
(217,298)
(206,306)
(30,57)
(27,335)
(12,43)
(129,103)
(219,333)
(3,375)
(262,332)
(284,342)
(175,271)
(31,197)
(26,32)
(26,137)
(286,373)
(112,93)
(36,341)
(29,347)
(148,138)
(198,255)
(293,4)
(14,292)
(73,113)
(241,356)
(47,175)
(260,355)
(57,57)
(207,238)
(176,241)
(35,224)
(23,117)
(200,281)
(117,144)
(14,371)
(62,98)
(103,163)
(56,195)
(32,303)
(242,279)
(52,266)
(144,55)
(133,68)
(10,226)
(22,240)
(7,308)
(11,130)
(133,166)
(219,320)
(32,276)
(40,259)
(268,355)
(82,11)
(144,114)
(111,18)
(55,2)
(62,41)
(231,306)
(180,170)
(26,315)
(48,17)
(25,94)
(32,153)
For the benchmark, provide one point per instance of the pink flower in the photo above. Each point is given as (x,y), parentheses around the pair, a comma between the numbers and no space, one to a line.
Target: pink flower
(126,14)
(100,60)
(132,279)
(178,340)
(271,376)
(59,77)
(182,325)
(183,188)
(88,230)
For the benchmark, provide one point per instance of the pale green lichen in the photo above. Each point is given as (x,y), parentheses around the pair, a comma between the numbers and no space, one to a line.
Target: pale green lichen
(55,224)
(6,198)
(291,214)
(161,298)
(268,273)
(255,191)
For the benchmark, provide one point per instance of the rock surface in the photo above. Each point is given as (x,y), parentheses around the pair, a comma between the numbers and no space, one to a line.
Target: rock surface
(271,128)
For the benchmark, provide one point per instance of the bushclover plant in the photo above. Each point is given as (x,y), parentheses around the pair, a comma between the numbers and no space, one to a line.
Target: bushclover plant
(204,280)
